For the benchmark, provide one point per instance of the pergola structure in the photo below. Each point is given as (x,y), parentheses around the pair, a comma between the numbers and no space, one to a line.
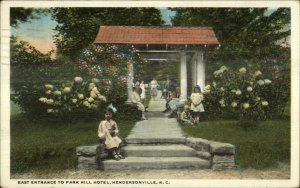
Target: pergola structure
(158,43)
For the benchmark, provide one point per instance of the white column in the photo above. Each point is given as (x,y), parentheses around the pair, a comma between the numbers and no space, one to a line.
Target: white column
(129,82)
(183,77)
(200,70)
(194,71)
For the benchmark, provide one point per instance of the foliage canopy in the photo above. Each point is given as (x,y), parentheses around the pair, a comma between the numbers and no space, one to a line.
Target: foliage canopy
(78,27)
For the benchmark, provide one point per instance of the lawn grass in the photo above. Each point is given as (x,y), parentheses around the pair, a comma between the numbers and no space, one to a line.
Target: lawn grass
(262,146)
(49,145)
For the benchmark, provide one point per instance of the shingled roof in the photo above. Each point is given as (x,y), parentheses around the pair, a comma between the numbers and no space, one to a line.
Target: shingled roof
(156,35)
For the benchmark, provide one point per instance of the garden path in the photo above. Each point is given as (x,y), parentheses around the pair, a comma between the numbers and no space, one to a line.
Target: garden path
(157,143)
(158,126)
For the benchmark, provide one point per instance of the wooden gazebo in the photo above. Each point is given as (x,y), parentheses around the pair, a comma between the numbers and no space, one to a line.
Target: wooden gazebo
(186,44)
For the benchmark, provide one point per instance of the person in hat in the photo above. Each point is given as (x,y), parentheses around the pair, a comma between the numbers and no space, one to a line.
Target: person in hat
(185,116)
(136,99)
(196,105)
(108,133)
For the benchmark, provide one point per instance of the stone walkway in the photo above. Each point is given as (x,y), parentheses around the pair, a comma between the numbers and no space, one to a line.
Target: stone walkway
(157,143)
(158,128)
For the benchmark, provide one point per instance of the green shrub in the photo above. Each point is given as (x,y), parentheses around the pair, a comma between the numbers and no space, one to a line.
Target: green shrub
(39,86)
(246,95)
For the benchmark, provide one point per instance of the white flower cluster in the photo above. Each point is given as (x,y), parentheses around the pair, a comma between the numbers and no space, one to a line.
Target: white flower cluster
(246,105)
(264,103)
(243,70)
(90,101)
(49,87)
(249,89)
(257,73)
(233,104)
(220,71)
(78,79)
(207,89)
(66,90)
(238,92)
(222,103)
(264,82)
(46,101)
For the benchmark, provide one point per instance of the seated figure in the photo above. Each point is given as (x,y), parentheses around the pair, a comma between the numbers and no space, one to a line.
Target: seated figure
(186,117)
(108,133)
(173,104)
(136,99)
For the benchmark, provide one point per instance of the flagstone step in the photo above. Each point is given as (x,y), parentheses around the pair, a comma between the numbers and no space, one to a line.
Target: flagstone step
(159,151)
(155,140)
(135,163)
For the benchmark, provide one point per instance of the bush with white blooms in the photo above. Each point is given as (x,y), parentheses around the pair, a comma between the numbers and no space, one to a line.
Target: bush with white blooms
(238,93)
(75,96)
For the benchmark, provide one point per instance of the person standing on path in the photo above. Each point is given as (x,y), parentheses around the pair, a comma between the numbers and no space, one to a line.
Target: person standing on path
(153,87)
(108,133)
(136,99)
(143,94)
(196,105)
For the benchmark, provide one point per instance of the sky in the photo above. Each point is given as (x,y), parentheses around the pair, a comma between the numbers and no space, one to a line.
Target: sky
(39,32)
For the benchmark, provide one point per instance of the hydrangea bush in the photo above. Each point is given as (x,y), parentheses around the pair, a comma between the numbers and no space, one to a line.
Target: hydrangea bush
(40,90)
(246,94)
(72,97)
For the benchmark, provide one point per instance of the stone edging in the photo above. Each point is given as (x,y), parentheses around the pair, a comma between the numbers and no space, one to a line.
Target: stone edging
(220,155)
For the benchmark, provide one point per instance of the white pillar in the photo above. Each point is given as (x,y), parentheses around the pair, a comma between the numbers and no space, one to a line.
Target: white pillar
(194,71)
(200,70)
(129,82)
(183,77)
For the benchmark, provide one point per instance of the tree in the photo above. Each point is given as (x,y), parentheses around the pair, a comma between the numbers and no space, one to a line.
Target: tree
(242,32)
(78,27)
(19,15)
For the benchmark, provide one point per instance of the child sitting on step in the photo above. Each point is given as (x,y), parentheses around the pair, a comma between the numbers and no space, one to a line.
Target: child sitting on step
(108,132)
(186,117)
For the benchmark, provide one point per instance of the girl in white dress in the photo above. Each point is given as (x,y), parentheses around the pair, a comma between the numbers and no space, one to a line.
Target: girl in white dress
(108,132)
(196,105)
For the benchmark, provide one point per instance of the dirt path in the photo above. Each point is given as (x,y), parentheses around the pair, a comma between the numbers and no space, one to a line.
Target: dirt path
(277,173)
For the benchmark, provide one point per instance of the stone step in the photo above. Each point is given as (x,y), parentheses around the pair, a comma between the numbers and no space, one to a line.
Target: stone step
(135,163)
(160,140)
(159,151)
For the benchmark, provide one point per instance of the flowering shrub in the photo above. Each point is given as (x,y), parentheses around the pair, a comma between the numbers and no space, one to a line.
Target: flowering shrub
(246,94)
(76,96)
(40,90)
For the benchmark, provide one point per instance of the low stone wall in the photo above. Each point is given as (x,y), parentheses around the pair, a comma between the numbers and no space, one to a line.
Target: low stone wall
(221,155)
(91,157)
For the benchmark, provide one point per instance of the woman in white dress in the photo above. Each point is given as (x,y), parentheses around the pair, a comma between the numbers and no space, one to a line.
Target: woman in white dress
(153,85)
(143,94)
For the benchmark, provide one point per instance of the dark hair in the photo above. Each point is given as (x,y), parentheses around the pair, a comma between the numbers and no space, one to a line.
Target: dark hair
(109,110)
(197,87)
